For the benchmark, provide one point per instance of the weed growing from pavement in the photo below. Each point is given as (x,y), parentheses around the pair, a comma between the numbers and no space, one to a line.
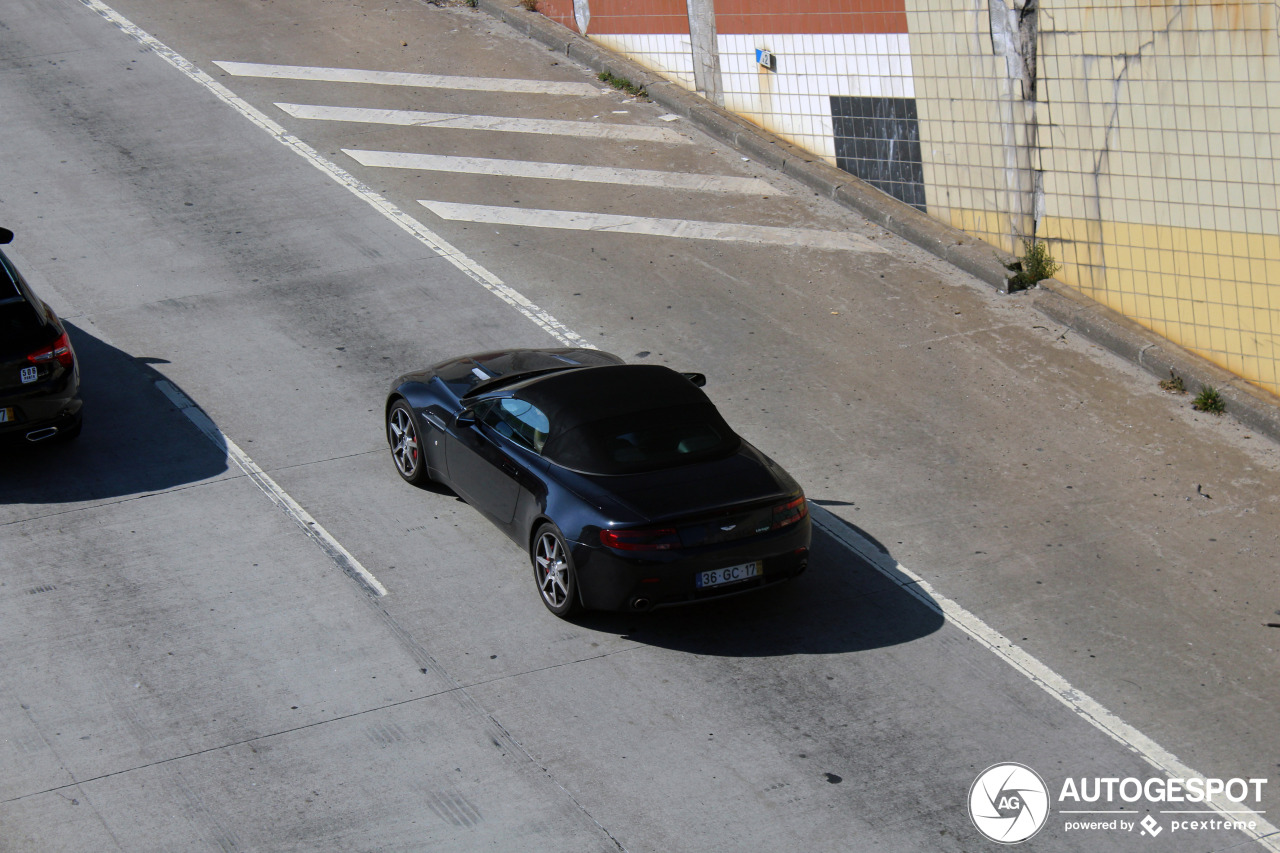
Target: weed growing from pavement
(1173,384)
(1035,265)
(529,5)
(1209,400)
(622,84)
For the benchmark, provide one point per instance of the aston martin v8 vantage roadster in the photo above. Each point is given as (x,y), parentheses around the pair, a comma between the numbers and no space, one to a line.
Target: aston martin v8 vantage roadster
(622,481)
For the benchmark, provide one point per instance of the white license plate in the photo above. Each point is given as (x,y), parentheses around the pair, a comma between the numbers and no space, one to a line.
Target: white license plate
(29,374)
(6,415)
(729,574)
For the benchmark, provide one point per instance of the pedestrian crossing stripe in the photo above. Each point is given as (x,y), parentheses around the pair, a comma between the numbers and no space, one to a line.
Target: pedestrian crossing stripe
(554,127)
(681,228)
(563,172)
(405,78)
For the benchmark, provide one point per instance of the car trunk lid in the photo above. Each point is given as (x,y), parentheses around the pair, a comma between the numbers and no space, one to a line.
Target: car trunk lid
(708,502)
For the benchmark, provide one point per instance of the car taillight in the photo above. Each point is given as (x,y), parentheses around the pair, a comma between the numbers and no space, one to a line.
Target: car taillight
(641,539)
(60,351)
(789,513)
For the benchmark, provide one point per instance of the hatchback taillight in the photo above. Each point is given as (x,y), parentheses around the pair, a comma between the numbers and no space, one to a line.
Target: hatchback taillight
(641,539)
(789,513)
(59,351)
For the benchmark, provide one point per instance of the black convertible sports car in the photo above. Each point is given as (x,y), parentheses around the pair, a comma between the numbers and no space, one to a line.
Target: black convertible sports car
(39,377)
(622,481)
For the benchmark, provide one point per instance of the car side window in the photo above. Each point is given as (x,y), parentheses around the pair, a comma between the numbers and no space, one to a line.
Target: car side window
(520,421)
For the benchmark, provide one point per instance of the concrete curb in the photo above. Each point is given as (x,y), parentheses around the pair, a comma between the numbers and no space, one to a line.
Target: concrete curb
(1252,406)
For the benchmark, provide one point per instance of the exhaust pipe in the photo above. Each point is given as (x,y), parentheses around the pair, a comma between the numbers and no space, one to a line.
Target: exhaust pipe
(640,603)
(41,434)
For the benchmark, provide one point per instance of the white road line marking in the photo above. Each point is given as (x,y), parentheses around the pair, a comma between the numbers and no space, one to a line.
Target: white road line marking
(504,124)
(332,547)
(682,228)
(426,236)
(1045,678)
(1001,646)
(404,78)
(563,172)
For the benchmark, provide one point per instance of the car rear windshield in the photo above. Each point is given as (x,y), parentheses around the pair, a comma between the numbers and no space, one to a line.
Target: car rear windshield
(644,441)
(21,329)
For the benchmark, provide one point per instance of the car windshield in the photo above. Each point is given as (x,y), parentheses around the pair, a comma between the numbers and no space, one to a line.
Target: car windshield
(644,441)
(496,382)
(467,377)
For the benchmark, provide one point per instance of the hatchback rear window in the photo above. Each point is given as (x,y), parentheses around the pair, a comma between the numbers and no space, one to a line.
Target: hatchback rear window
(22,328)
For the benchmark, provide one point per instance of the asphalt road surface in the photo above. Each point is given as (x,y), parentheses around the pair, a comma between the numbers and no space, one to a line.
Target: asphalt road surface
(1024,551)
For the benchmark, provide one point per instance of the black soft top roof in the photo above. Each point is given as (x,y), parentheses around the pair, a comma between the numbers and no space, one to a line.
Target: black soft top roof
(626,419)
(570,398)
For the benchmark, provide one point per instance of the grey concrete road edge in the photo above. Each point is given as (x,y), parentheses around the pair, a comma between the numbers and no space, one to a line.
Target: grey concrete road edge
(1250,405)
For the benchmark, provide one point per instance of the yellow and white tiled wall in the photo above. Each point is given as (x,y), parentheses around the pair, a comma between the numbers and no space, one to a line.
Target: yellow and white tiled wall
(1134,137)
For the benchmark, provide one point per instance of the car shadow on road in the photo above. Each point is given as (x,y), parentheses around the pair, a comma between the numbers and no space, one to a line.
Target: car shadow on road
(134,440)
(852,598)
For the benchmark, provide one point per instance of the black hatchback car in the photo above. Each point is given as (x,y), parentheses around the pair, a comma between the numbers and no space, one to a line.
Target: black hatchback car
(39,377)
(621,481)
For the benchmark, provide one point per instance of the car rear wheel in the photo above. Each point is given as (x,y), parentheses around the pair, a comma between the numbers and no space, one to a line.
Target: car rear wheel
(406,449)
(553,572)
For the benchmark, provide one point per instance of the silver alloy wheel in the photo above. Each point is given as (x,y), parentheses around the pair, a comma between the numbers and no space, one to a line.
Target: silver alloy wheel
(404,442)
(553,570)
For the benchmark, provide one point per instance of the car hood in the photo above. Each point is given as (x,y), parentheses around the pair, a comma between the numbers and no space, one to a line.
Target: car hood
(745,477)
(468,373)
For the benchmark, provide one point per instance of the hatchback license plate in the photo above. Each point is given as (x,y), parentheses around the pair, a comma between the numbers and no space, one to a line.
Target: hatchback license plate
(29,375)
(6,415)
(729,574)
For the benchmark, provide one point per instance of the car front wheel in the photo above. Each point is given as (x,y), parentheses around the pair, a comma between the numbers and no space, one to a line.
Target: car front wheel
(553,572)
(406,449)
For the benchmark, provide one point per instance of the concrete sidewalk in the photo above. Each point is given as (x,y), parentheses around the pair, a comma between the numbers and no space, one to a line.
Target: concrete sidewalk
(1252,406)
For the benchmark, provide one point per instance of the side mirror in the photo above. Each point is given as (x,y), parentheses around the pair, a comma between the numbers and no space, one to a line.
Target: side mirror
(465,418)
(6,236)
(698,379)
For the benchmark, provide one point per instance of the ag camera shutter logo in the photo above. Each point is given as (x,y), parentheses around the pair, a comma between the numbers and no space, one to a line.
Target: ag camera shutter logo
(1008,803)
